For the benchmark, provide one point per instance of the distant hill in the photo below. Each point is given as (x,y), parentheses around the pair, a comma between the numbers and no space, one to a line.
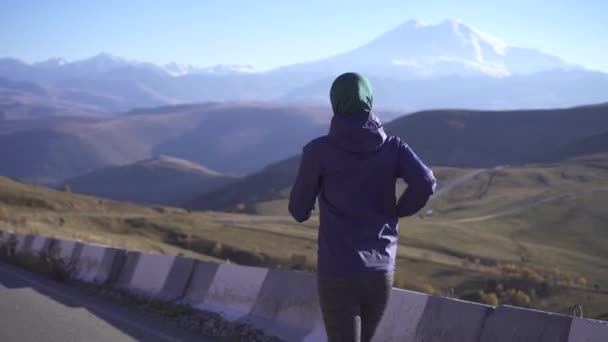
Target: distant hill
(271,183)
(43,156)
(594,144)
(245,138)
(26,100)
(163,180)
(449,138)
(465,138)
(234,138)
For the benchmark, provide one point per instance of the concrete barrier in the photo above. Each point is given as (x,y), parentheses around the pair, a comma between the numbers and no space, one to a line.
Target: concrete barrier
(23,242)
(32,244)
(318,333)
(95,263)
(588,330)
(157,275)
(233,290)
(508,324)
(26,243)
(63,249)
(40,244)
(204,273)
(401,318)
(7,242)
(451,320)
(6,237)
(287,305)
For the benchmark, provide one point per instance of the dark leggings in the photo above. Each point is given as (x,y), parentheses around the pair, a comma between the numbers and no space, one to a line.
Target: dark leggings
(353,306)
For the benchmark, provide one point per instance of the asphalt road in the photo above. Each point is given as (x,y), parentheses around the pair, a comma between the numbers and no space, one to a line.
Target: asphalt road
(34,308)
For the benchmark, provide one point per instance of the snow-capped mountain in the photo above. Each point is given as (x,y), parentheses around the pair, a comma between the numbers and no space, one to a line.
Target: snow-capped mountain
(417,49)
(414,49)
(177,69)
(416,65)
(51,63)
(100,63)
(230,69)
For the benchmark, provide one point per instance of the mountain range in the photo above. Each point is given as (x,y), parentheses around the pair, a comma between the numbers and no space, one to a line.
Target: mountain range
(231,138)
(448,138)
(415,66)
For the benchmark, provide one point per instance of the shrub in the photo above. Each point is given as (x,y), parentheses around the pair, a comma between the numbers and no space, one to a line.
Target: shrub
(582,281)
(298,262)
(3,214)
(521,298)
(488,298)
(217,250)
(428,288)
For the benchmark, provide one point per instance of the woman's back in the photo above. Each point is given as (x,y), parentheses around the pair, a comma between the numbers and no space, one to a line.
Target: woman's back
(354,170)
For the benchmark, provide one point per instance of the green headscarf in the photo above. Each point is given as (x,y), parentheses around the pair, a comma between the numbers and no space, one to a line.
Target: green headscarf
(351,93)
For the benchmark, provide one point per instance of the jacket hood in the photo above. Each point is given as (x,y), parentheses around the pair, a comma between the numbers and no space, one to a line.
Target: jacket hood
(350,94)
(360,133)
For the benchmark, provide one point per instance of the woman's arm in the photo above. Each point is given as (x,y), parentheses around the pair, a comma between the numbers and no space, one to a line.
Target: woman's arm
(307,185)
(420,182)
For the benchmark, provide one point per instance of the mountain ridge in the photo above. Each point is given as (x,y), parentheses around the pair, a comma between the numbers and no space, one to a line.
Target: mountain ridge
(468,139)
(442,65)
(161,180)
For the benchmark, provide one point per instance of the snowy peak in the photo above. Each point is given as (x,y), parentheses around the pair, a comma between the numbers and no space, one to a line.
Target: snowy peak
(448,37)
(176,69)
(227,69)
(451,47)
(51,63)
(100,63)
(413,50)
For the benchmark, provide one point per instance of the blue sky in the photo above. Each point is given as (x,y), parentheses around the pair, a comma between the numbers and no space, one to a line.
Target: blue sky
(269,33)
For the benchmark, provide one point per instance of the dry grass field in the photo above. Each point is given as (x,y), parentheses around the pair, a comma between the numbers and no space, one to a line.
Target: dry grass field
(534,235)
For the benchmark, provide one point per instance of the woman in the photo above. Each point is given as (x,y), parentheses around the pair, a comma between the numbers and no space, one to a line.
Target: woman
(353,170)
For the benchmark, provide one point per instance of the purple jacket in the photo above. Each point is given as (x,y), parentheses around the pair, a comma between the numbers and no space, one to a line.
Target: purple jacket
(353,170)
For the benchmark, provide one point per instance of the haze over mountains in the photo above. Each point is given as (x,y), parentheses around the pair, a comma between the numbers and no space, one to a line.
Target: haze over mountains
(414,66)
(234,138)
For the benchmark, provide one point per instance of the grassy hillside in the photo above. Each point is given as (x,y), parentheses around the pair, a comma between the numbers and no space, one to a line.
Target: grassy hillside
(46,155)
(465,138)
(593,144)
(448,138)
(163,180)
(532,235)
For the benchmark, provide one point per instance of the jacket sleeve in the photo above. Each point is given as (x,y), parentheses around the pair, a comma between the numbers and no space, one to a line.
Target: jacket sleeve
(306,187)
(420,181)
